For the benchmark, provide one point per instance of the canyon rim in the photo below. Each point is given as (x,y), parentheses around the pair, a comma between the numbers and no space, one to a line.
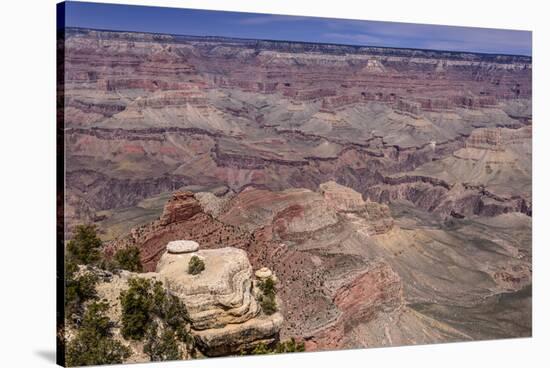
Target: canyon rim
(222,195)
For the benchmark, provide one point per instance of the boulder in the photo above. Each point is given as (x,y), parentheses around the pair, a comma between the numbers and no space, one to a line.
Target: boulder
(263,273)
(182,246)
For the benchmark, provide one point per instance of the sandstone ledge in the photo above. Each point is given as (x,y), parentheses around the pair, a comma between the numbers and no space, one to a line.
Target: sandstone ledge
(235,338)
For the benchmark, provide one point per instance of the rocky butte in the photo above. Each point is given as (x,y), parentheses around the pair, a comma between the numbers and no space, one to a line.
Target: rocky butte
(221,300)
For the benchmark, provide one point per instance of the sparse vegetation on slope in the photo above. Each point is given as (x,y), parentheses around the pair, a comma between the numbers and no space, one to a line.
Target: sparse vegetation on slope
(289,346)
(94,344)
(78,290)
(145,305)
(137,304)
(128,259)
(163,347)
(84,247)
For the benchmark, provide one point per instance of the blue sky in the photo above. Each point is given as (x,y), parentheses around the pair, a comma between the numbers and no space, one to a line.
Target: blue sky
(293,28)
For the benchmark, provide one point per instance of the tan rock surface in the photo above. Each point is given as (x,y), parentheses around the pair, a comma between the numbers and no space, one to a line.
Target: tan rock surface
(220,300)
(217,296)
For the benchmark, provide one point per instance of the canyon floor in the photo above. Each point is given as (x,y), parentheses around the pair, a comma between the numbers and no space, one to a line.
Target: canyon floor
(389,190)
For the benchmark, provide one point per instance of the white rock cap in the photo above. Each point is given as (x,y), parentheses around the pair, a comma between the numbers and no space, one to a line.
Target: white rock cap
(263,273)
(182,246)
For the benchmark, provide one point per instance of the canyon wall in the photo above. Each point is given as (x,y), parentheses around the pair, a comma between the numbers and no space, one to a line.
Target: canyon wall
(146,114)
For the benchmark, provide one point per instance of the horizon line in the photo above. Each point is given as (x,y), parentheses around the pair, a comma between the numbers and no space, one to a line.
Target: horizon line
(495,54)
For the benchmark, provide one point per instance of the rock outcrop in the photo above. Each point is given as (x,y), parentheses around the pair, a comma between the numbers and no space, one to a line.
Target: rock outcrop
(182,206)
(182,218)
(341,198)
(378,289)
(296,213)
(221,300)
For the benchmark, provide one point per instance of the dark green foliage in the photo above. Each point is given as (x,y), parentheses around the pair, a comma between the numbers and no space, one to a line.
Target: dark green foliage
(163,347)
(78,289)
(94,344)
(172,311)
(267,299)
(128,259)
(261,349)
(137,304)
(196,265)
(174,314)
(289,346)
(267,287)
(84,247)
(146,299)
(268,304)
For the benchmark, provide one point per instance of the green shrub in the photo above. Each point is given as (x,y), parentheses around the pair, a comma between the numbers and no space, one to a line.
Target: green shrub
(289,346)
(196,265)
(78,289)
(267,299)
(93,343)
(84,247)
(146,299)
(261,349)
(128,259)
(268,304)
(267,286)
(163,347)
(137,304)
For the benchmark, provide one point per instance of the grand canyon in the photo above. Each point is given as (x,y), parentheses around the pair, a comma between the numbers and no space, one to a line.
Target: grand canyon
(387,191)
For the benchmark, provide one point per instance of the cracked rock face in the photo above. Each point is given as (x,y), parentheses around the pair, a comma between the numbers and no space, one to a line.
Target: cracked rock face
(221,300)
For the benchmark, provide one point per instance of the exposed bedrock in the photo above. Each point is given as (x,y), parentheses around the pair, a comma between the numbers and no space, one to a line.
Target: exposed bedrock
(345,265)
(445,201)
(378,289)
(221,300)
(182,218)
(258,222)
(488,176)
(389,190)
(104,193)
(152,113)
(297,213)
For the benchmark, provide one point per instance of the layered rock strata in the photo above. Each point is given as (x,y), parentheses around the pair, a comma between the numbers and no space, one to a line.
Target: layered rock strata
(221,300)
(147,114)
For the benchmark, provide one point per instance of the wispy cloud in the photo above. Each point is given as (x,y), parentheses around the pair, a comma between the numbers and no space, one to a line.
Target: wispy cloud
(429,36)
(268,19)
(295,28)
(353,38)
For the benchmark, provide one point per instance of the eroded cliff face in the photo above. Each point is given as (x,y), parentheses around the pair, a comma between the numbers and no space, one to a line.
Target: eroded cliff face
(350,273)
(147,114)
(389,190)
(319,291)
